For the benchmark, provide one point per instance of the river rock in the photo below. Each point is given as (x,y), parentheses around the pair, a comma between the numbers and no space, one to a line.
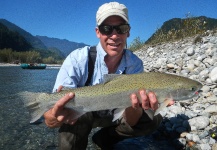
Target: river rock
(205,146)
(213,75)
(200,122)
(214,147)
(205,88)
(190,51)
(211,109)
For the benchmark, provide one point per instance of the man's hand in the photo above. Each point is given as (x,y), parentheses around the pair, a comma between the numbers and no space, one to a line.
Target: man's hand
(146,101)
(58,115)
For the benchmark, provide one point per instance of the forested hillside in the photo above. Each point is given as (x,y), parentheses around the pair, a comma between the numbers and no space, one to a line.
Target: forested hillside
(13,40)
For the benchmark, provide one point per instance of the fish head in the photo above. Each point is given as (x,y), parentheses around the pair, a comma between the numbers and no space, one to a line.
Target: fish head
(185,90)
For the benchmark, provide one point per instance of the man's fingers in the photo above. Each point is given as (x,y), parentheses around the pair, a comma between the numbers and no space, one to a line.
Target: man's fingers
(59,88)
(61,103)
(67,116)
(70,121)
(144,99)
(62,115)
(52,121)
(134,100)
(153,100)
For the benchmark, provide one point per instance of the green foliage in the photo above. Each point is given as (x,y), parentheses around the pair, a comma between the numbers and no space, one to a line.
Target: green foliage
(49,53)
(176,29)
(10,56)
(32,56)
(49,60)
(7,55)
(136,44)
(198,39)
(10,39)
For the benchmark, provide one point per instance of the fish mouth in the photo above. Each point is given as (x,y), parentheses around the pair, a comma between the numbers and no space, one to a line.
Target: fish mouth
(198,92)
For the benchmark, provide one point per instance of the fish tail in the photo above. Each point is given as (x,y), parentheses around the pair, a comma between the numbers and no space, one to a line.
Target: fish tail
(32,102)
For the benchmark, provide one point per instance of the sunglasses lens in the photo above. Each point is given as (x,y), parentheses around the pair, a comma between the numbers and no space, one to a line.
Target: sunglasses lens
(121,29)
(104,29)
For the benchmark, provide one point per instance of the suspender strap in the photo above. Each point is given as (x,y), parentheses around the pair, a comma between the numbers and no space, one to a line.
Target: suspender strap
(91,62)
(124,72)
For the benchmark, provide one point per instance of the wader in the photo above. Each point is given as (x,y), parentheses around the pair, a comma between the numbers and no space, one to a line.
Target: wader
(75,137)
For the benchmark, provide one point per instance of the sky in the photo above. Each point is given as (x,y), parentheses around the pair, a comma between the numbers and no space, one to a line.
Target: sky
(75,20)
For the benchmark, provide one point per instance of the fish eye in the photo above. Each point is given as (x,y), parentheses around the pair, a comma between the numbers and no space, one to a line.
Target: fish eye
(193,88)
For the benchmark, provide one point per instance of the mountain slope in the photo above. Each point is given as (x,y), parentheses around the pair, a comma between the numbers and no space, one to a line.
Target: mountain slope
(178,28)
(63,45)
(35,42)
(10,39)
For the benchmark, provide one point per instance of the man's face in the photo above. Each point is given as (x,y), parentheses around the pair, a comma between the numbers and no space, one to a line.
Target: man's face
(114,43)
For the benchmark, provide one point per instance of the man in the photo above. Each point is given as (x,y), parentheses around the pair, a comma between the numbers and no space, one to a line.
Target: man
(112,30)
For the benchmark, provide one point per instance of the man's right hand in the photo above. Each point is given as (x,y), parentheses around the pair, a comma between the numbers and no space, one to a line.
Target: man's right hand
(58,115)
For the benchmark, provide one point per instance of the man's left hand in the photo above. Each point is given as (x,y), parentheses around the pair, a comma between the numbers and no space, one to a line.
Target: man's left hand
(146,101)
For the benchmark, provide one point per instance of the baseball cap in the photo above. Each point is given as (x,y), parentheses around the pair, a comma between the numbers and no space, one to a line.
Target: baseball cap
(111,9)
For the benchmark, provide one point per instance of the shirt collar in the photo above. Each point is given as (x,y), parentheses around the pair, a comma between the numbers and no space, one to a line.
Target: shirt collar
(123,64)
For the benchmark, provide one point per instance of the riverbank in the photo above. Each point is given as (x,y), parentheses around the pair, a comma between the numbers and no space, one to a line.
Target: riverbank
(9,64)
(193,123)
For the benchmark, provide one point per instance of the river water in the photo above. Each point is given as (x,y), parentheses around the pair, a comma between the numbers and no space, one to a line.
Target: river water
(15,130)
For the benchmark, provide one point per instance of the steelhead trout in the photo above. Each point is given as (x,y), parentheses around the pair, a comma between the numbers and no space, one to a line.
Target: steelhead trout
(115,93)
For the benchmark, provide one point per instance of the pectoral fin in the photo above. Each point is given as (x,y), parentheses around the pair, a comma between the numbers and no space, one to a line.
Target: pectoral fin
(150,113)
(77,112)
(118,113)
(163,105)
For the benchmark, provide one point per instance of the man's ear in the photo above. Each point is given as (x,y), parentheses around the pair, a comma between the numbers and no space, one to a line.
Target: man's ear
(97,32)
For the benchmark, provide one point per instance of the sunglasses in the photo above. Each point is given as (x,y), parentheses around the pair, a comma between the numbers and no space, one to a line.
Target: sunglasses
(120,29)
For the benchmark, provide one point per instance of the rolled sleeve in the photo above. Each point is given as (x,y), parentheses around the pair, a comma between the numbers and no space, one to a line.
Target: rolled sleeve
(73,72)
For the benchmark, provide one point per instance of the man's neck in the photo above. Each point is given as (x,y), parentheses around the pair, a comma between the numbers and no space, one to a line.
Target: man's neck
(113,62)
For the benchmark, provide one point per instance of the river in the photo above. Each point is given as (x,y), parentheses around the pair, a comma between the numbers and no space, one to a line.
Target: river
(16,132)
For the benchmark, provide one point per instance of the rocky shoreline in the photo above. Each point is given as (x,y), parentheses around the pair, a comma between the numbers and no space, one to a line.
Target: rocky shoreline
(11,64)
(188,124)
(7,64)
